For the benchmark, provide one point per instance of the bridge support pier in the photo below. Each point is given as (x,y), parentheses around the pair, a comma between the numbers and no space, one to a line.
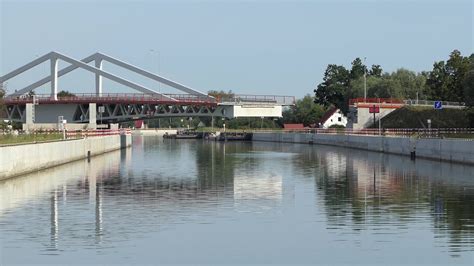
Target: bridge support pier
(29,116)
(92,116)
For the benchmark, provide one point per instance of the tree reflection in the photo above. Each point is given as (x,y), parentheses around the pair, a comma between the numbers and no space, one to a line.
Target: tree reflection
(365,188)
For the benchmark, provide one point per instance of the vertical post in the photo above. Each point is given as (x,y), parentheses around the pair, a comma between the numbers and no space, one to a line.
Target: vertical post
(365,82)
(92,115)
(98,77)
(29,116)
(54,78)
(374,115)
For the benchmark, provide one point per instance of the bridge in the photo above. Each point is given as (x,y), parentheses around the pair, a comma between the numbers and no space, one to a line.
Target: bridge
(85,109)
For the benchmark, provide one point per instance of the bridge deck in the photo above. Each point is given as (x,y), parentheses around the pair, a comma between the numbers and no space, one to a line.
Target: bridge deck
(140,98)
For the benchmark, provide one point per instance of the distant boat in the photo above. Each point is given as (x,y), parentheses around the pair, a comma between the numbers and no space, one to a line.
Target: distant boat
(210,136)
(185,134)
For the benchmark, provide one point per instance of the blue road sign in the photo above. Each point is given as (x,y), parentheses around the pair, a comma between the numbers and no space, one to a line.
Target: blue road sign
(438,105)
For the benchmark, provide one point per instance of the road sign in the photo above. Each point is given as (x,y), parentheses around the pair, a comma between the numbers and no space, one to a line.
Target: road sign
(438,105)
(374,109)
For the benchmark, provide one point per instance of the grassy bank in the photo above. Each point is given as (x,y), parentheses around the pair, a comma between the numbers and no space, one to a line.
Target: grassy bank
(28,138)
(416,117)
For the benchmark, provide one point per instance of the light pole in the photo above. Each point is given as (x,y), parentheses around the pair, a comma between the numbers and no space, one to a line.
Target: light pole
(157,63)
(365,81)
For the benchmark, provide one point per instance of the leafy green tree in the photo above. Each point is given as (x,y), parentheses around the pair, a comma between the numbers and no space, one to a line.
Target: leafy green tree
(65,94)
(468,86)
(445,81)
(376,71)
(3,91)
(457,67)
(358,69)
(334,88)
(408,83)
(221,94)
(305,111)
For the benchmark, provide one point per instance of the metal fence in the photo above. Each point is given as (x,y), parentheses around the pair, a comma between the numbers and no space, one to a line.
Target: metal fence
(464,133)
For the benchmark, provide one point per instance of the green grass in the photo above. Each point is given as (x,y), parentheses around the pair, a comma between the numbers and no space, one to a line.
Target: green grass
(28,138)
(416,117)
(458,136)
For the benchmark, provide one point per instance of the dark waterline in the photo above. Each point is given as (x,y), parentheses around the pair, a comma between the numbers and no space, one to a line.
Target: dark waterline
(208,202)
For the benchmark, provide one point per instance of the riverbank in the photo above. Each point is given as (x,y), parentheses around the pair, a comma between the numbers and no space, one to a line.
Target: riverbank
(12,139)
(450,150)
(21,159)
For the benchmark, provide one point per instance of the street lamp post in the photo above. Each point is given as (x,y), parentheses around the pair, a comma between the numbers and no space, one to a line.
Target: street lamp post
(365,81)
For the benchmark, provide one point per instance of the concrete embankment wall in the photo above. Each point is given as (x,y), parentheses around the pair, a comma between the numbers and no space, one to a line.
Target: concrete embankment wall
(21,159)
(451,150)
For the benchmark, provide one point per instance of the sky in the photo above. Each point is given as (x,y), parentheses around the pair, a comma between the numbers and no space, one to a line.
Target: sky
(249,47)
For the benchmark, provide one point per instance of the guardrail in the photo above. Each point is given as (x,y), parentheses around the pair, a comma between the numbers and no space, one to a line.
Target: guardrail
(431,103)
(271,99)
(97,133)
(465,133)
(404,102)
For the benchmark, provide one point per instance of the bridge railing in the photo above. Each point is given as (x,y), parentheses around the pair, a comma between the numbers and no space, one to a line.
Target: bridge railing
(111,97)
(149,98)
(271,99)
(376,100)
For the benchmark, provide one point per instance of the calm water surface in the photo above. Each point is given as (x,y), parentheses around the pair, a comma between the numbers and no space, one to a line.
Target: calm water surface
(195,202)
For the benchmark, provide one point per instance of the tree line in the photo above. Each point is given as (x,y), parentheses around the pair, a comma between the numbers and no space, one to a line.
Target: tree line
(450,80)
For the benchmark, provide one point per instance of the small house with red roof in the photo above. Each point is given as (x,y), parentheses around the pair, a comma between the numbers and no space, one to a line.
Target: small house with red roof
(332,117)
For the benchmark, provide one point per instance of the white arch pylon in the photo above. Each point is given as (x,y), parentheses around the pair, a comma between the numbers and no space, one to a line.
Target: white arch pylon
(98,58)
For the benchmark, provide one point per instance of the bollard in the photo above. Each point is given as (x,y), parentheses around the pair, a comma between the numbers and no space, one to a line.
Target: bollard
(88,156)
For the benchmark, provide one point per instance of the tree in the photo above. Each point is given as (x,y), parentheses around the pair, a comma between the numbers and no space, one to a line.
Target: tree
(457,68)
(305,111)
(468,84)
(221,94)
(3,91)
(468,87)
(408,83)
(445,81)
(65,94)
(358,69)
(376,71)
(334,88)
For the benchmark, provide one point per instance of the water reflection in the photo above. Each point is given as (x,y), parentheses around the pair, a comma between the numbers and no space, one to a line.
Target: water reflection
(363,190)
(162,188)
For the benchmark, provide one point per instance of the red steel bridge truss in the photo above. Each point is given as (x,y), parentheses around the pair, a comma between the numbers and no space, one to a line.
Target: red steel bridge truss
(121,106)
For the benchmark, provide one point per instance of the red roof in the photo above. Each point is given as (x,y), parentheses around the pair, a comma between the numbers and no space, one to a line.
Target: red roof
(293,126)
(327,115)
(138,123)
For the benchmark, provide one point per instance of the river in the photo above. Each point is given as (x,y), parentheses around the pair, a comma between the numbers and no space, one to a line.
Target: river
(198,202)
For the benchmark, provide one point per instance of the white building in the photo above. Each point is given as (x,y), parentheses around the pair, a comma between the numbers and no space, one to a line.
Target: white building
(333,117)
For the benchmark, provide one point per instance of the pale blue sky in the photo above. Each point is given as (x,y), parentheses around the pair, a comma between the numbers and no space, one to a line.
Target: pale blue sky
(251,47)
